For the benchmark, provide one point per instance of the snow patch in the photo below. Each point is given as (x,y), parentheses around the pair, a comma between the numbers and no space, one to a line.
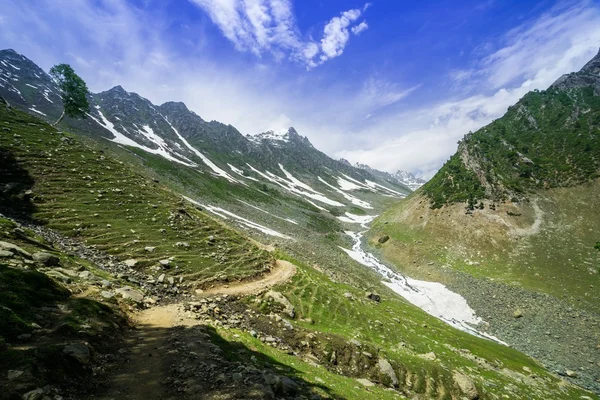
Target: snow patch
(31,86)
(266,212)
(363,220)
(32,108)
(375,185)
(354,200)
(17,68)
(218,171)
(241,173)
(124,140)
(347,185)
(295,186)
(225,214)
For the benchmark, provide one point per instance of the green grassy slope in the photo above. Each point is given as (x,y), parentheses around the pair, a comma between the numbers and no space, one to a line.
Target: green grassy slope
(62,182)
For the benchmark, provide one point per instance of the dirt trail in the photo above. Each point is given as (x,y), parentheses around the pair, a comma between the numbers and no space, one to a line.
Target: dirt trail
(150,349)
(282,272)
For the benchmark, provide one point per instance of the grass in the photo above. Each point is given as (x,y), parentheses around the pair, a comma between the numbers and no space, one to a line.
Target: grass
(83,192)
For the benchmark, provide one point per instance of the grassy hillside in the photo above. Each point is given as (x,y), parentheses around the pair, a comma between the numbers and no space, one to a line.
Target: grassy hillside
(548,139)
(60,181)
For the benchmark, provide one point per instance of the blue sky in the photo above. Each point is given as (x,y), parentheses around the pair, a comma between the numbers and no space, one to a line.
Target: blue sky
(393,84)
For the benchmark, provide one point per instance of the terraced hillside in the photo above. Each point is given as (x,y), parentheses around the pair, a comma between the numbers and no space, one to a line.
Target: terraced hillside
(510,222)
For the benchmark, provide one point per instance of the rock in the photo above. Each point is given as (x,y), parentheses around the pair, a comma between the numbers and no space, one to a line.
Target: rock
(289,386)
(79,352)
(518,313)
(386,369)
(14,374)
(107,294)
(171,280)
(149,249)
(466,385)
(374,297)
(349,296)
(165,263)
(428,356)
(24,336)
(129,293)
(253,333)
(47,259)
(14,248)
(365,382)
(383,239)
(58,276)
(279,298)
(6,254)
(85,275)
(182,244)
(36,394)
(131,262)
(161,278)
(356,342)
(571,374)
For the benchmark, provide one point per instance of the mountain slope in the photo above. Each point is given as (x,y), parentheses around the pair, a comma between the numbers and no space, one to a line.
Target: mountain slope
(510,222)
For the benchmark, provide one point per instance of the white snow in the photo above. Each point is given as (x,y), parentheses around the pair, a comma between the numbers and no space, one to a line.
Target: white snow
(432,297)
(124,140)
(225,214)
(354,200)
(293,185)
(241,173)
(218,171)
(17,68)
(31,86)
(3,63)
(32,108)
(279,136)
(347,185)
(363,220)
(375,185)
(46,95)
(360,184)
(266,212)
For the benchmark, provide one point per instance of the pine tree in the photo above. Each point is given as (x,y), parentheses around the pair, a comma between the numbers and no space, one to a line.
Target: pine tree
(73,92)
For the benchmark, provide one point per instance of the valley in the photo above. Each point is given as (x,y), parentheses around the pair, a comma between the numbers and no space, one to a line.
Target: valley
(173,257)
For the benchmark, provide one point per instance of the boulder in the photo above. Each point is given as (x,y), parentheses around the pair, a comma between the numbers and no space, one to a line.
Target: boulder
(6,254)
(518,313)
(131,262)
(78,351)
(279,298)
(14,374)
(386,369)
(36,394)
(165,263)
(150,249)
(466,385)
(383,239)
(374,297)
(129,293)
(13,248)
(365,382)
(49,260)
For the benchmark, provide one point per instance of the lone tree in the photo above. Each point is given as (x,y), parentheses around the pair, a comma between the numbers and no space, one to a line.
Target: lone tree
(73,92)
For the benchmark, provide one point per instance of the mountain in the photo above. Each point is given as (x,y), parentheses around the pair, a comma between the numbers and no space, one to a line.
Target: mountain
(511,221)
(548,139)
(400,177)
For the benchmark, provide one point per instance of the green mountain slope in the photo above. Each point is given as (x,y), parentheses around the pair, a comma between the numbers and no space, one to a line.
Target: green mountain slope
(548,139)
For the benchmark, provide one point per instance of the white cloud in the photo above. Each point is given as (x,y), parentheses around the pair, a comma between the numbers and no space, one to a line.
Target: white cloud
(269,26)
(363,26)
(531,56)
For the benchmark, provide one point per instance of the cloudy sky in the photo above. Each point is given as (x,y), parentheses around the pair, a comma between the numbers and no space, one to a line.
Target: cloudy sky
(390,83)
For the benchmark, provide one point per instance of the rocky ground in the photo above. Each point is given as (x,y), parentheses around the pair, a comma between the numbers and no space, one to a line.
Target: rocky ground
(565,340)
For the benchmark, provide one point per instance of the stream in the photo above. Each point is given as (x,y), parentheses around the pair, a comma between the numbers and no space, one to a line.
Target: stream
(432,297)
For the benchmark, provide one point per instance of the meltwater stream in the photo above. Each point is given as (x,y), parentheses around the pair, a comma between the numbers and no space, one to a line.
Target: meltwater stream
(433,297)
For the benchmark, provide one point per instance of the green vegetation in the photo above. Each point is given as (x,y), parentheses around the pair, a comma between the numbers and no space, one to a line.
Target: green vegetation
(548,139)
(83,192)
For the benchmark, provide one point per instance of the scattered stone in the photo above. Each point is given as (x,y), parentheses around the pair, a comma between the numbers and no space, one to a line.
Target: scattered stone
(182,244)
(85,275)
(383,239)
(386,369)
(349,296)
(571,374)
(14,248)
(518,313)
(281,299)
(150,249)
(165,263)
(365,382)
(466,385)
(428,356)
(374,297)
(131,262)
(79,352)
(47,259)
(356,342)
(6,253)
(107,294)
(129,293)
(36,394)
(161,278)
(14,374)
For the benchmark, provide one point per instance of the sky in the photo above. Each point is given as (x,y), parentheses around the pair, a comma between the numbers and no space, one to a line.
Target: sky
(390,83)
